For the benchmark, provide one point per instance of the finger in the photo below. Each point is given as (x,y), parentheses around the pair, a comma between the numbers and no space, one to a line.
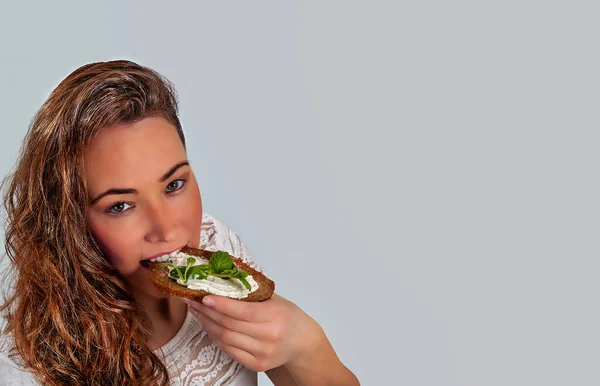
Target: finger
(227,338)
(246,311)
(252,329)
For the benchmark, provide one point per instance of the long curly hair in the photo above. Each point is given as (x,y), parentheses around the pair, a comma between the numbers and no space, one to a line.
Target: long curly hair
(69,312)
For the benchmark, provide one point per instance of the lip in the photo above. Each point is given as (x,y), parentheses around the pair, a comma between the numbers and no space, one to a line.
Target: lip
(163,253)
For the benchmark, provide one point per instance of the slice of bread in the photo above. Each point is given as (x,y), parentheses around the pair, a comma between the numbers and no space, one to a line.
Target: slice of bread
(159,274)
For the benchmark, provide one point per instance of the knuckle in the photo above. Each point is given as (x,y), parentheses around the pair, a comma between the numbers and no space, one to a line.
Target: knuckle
(267,351)
(228,322)
(271,351)
(248,312)
(262,365)
(218,333)
(275,334)
(226,337)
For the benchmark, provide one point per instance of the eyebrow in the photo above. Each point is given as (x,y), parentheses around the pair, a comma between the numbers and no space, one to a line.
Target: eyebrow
(131,191)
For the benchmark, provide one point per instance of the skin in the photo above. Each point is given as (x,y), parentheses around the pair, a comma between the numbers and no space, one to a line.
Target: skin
(164,214)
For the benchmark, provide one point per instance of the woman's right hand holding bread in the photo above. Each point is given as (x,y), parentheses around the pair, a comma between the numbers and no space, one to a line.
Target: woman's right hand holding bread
(270,334)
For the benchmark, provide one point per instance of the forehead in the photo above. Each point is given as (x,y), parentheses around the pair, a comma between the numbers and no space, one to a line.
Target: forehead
(132,154)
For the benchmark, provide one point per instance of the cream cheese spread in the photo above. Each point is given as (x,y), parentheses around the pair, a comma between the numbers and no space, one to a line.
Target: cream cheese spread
(232,288)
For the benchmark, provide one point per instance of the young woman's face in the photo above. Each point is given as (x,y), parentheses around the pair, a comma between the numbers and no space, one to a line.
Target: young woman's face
(144,199)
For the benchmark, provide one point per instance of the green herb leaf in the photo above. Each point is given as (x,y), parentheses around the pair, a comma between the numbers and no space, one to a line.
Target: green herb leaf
(175,269)
(173,274)
(197,276)
(190,262)
(220,261)
(245,283)
(220,265)
(197,273)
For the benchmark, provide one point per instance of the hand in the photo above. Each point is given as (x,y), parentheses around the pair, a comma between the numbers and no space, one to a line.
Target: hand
(260,336)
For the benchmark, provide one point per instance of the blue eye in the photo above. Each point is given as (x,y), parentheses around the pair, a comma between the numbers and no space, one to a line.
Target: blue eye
(175,185)
(119,207)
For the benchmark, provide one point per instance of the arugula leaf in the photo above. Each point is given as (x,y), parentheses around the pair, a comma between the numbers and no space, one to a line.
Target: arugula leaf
(242,274)
(174,274)
(198,276)
(221,275)
(220,265)
(220,261)
(175,269)
(245,283)
(197,272)
(190,262)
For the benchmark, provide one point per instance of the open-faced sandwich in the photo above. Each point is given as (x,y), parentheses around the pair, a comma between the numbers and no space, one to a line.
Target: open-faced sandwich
(194,273)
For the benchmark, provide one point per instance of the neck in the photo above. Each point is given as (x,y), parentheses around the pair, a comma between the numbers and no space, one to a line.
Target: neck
(166,316)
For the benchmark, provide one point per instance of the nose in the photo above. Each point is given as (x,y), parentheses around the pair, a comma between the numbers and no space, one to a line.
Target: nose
(162,224)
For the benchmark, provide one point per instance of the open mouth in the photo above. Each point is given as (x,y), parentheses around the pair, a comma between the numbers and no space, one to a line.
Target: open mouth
(160,258)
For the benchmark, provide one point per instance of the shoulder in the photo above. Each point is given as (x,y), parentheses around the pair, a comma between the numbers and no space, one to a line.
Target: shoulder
(211,226)
(12,367)
(216,235)
(213,234)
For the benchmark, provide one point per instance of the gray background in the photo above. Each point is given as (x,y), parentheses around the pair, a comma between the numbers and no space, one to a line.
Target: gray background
(420,178)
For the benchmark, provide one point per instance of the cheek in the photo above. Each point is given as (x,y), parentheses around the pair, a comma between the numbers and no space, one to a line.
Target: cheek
(193,217)
(113,244)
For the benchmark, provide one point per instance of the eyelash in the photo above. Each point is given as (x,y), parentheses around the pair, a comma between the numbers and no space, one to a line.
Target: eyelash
(181,186)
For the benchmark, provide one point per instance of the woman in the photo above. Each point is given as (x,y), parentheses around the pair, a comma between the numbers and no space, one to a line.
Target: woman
(102,183)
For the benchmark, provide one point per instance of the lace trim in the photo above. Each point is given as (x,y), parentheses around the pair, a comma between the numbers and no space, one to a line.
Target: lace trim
(195,360)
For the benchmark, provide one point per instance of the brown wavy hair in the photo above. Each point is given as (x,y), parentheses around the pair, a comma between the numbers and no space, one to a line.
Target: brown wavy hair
(69,312)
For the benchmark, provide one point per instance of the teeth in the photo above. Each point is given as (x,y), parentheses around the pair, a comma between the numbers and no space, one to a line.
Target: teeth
(163,258)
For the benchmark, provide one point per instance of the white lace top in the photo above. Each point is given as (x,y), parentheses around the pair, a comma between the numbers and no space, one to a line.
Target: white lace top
(191,358)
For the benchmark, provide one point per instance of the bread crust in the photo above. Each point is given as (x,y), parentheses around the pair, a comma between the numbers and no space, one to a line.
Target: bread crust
(159,274)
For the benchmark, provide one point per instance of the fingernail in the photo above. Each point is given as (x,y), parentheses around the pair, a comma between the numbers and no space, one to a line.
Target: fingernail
(209,302)
(187,301)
